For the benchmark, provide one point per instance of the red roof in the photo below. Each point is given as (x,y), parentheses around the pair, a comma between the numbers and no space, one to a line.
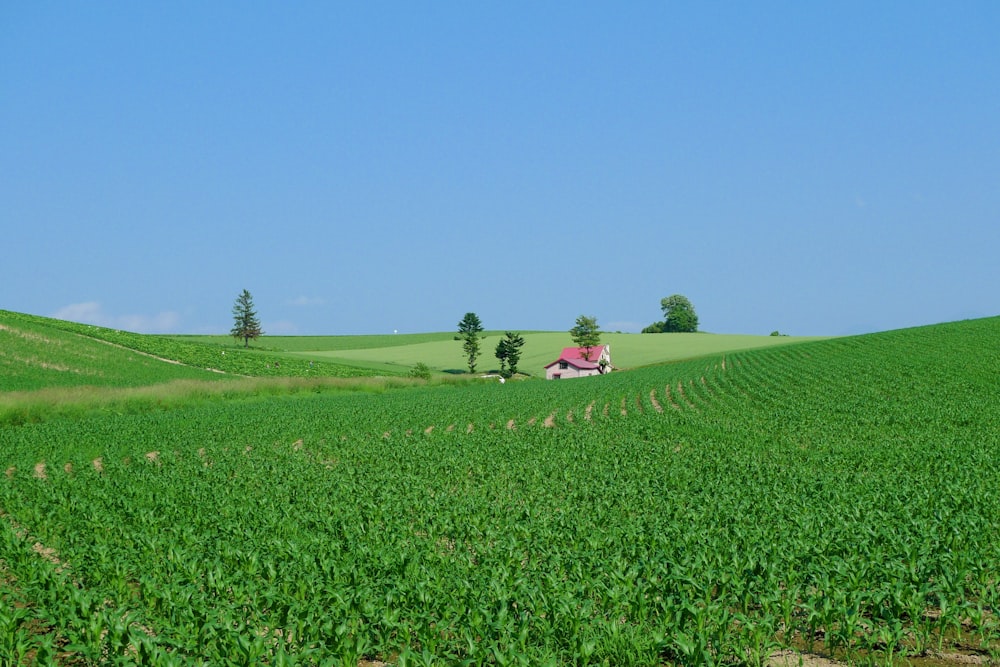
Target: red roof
(574,357)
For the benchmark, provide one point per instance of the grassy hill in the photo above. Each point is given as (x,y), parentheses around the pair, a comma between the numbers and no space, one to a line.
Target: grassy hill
(52,367)
(442,353)
(39,352)
(228,359)
(34,354)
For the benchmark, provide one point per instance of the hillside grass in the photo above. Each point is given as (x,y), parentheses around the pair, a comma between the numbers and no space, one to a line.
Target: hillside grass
(234,359)
(35,355)
(443,354)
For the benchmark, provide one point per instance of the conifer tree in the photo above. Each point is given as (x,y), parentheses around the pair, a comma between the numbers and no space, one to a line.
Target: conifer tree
(509,353)
(245,322)
(468,332)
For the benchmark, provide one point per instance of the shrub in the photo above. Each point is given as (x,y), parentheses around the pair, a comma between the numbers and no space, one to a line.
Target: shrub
(421,370)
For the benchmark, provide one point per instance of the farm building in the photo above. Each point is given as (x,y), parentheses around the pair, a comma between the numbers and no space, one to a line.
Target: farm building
(574,362)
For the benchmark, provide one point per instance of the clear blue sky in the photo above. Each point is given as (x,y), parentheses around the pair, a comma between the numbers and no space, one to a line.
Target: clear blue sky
(810,167)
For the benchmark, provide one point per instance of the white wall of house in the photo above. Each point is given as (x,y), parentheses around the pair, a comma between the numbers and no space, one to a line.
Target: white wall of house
(554,372)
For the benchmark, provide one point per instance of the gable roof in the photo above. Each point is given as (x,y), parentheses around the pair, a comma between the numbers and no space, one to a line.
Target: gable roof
(579,352)
(574,357)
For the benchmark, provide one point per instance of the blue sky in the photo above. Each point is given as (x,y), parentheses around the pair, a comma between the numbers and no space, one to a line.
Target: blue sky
(811,167)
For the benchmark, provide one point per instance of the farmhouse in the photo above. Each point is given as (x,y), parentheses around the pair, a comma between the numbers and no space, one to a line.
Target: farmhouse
(575,362)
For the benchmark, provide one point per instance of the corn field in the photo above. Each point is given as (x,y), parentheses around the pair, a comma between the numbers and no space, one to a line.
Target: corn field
(840,497)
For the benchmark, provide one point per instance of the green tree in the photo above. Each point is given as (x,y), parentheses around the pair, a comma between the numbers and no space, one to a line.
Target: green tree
(245,322)
(679,315)
(421,370)
(468,332)
(586,334)
(509,353)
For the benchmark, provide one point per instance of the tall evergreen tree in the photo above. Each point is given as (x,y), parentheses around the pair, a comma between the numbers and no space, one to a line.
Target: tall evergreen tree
(468,332)
(245,322)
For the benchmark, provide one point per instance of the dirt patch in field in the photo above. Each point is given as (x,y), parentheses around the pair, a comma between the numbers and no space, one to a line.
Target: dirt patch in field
(952,659)
(795,659)
(670,398)
(49,554)
(40,470)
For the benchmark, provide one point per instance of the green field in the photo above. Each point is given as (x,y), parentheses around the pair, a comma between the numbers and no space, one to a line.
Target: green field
(444,354)
(299,356)
(833,498)
(36,355)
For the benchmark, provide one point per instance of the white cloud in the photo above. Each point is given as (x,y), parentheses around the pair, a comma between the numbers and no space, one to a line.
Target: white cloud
(627,327)
(91,312)
(280,328)
(307,301)
(88,312)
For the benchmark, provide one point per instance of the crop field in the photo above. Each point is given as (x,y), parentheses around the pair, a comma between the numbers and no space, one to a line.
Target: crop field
(836,498)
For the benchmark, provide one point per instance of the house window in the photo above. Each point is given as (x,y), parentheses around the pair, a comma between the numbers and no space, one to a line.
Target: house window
(563,365)
(556,376)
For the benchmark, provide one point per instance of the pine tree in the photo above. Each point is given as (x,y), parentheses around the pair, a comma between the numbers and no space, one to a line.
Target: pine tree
(245,322)
(468,332)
